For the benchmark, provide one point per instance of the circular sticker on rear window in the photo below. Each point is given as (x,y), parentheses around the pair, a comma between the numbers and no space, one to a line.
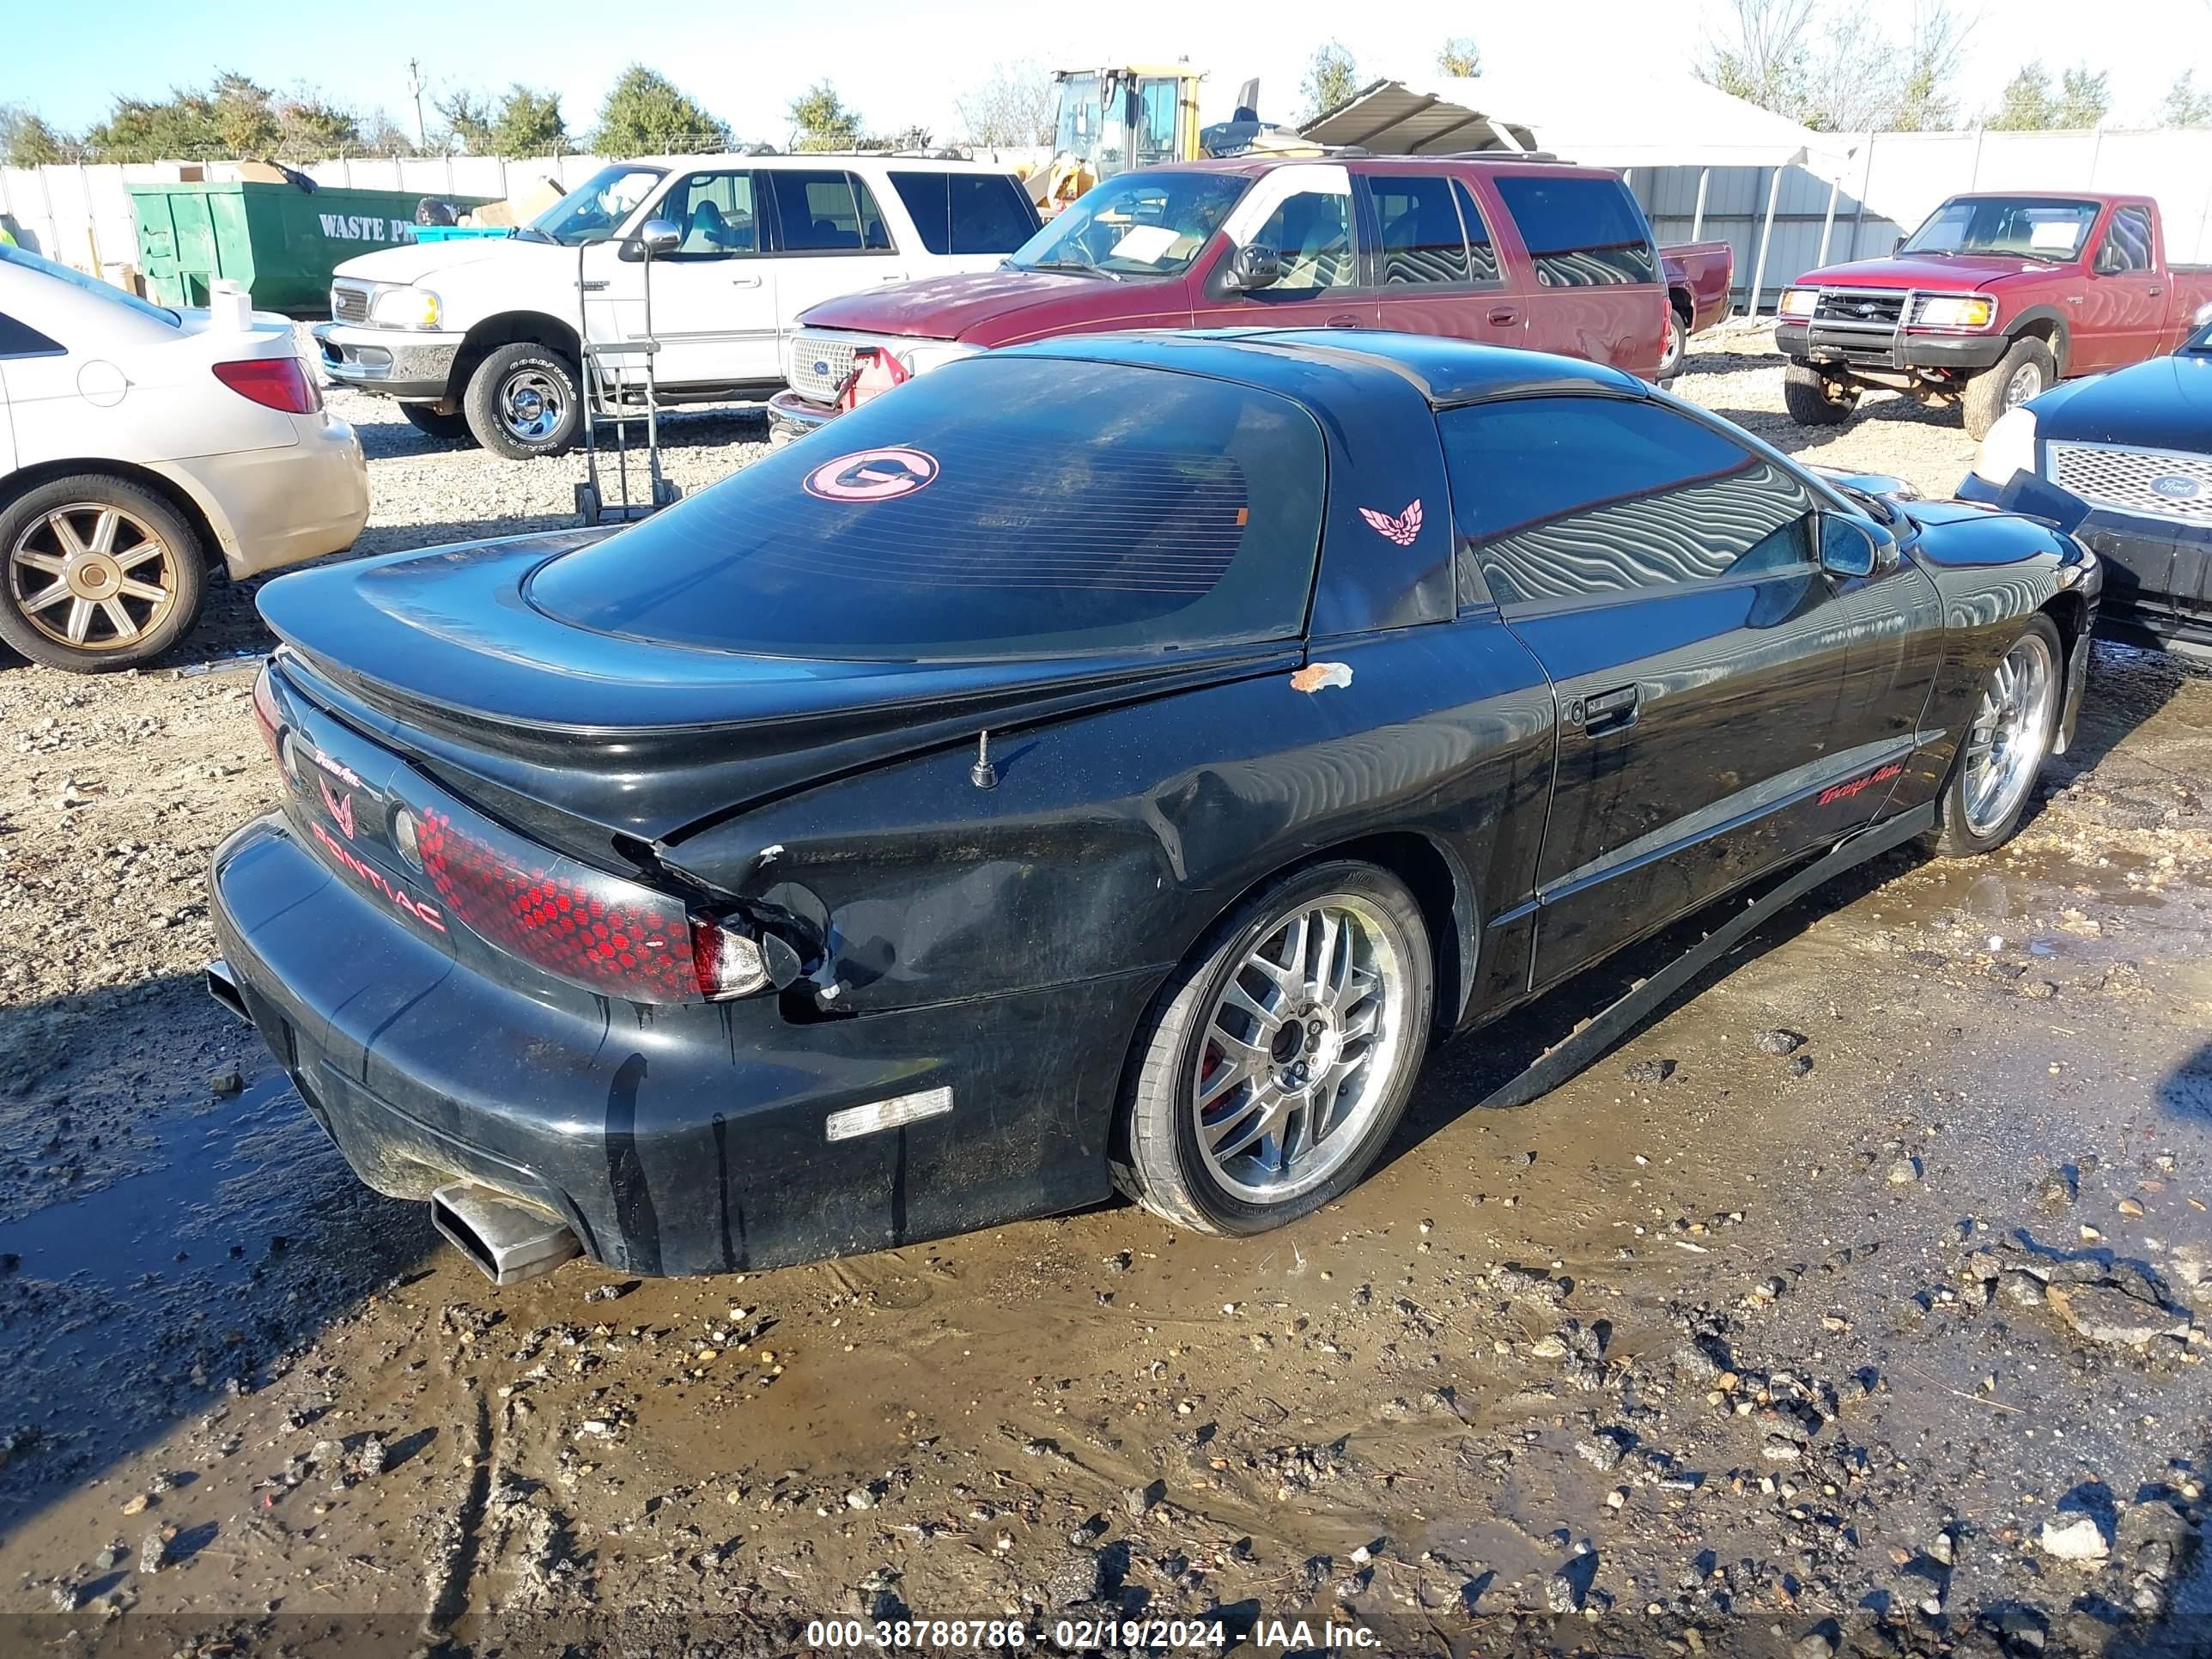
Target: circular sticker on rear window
(872,475)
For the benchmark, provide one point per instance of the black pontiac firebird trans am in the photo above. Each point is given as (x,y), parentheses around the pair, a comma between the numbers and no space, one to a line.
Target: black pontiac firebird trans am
(1110,762)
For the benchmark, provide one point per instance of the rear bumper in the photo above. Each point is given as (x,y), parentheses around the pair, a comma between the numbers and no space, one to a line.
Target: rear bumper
(684,1139)
(790,416)
(273,507)
(1900,353)
(399,363)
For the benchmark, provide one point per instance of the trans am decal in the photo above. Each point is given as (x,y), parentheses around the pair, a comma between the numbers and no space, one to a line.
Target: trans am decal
(1403,529)
(1846,791)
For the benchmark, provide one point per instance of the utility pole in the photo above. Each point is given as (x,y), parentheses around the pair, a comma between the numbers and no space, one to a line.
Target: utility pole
(415,85)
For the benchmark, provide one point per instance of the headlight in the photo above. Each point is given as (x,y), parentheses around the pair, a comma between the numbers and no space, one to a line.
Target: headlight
(932,354)
(1800,301)
(2009,448)
(404,307)
(1956,310)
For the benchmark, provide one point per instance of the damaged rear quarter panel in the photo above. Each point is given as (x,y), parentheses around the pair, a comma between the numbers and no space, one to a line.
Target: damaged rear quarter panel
(1114,840)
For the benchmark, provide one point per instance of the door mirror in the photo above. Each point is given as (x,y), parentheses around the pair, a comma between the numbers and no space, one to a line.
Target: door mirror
(1852,547)
(1251,267)
(655,237)
(2109,263)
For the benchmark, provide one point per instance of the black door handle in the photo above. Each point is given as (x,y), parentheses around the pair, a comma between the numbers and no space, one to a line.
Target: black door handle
(1605,711)
(1504,316)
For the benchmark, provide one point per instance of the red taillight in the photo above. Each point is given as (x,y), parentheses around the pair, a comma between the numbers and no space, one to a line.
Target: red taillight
(598,930)
(273,382)
(268,716)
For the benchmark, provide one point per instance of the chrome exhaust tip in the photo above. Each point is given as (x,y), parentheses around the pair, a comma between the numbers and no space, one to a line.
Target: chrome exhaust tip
(222,986)
(508,1241)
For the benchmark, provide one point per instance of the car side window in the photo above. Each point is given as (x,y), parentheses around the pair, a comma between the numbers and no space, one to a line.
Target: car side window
(20,339)
(1576,498)
(966,212)
(2127,244)
(828,212)
(1481,252)
(715,214)
(1580,232)
(1422,240)
(1311,230)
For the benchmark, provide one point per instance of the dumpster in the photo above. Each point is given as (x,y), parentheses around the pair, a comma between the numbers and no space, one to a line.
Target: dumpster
(277,241)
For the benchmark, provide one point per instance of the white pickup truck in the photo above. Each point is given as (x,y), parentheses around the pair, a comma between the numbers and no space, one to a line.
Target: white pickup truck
(480,336)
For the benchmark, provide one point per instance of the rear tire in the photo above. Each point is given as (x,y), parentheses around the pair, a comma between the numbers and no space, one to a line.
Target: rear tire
(446,428)
(101,559)
(523,402)
(2006,742)
(1303,1091)
(1816,399)
(1677,346)
(2026,371)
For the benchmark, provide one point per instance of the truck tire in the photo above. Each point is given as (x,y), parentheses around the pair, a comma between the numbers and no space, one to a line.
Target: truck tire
(524,401)
(446,428)
(1677,346)
(97,572)
(1816,399)
(2027,370)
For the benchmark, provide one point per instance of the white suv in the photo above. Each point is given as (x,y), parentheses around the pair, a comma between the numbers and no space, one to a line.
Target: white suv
(480,336)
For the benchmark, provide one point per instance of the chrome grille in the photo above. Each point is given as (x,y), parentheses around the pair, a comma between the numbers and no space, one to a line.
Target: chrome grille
(2154,484)
(348,304)
(1873,310)
(818,364)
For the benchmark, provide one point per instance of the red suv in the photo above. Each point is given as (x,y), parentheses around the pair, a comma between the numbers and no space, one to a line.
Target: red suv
(1539,255)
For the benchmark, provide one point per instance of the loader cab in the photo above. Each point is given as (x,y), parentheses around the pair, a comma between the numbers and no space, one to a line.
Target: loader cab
(1110,120)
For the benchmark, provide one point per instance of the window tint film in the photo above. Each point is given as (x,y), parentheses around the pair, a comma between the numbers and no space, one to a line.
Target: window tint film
(1423,241)
(1568,498)
(714,212)
(827,213)
(996,507)
(1580,233)
(1312,232)
(1482,254)
(2127,244)
(966,212)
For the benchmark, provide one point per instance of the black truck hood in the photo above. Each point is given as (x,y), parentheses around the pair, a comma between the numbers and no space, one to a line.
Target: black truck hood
(2163,403)
(586,740)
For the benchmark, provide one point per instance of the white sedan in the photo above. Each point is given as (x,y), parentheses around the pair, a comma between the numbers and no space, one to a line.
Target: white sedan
(139,447)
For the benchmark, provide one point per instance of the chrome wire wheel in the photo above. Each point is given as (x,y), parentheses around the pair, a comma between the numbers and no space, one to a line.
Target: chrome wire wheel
(2011,730)
(1300,1048)
(92,576)
(532,404)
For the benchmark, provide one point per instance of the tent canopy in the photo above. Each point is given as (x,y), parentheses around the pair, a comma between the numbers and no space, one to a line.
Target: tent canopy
(1653,120)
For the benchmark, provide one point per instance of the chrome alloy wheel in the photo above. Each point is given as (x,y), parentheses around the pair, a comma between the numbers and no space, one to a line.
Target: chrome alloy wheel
(2011,729)
(91,577)
(2026,383)
(1300,1047)
(533,403)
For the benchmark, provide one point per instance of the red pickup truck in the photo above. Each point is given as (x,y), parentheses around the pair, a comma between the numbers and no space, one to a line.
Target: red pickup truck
(1995,299)
(1539,255)
(1699,275)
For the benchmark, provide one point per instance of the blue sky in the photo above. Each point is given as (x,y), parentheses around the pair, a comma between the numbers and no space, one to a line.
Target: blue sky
(907,62)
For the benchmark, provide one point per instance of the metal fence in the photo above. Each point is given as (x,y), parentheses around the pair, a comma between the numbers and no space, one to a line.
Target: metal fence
(1893,180)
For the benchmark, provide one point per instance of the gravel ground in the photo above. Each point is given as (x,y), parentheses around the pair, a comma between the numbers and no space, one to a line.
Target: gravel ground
(1852,1306)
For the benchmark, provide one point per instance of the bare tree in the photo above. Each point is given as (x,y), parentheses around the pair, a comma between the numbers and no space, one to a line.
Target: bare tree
(1331,77)
(1015,105)
(1840,69)
(1459,55)
(1760,56)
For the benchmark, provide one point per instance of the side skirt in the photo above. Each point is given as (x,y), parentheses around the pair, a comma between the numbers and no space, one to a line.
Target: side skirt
(1561,1062)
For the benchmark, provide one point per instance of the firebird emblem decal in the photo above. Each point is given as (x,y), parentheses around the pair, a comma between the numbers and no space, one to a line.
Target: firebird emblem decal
(341,806)
(1403,529)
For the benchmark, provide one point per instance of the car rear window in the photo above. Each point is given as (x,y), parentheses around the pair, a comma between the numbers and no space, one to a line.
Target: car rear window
(828,213)
(1580,232)
(997,507)
(967,212)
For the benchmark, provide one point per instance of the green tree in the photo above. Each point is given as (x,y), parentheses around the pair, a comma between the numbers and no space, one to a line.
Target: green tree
(2025,105)
(307,126)
(529,124)
(1459,55)
(1331,78)
(25,141)
(648,114)
(2184,106)
(2084,99)
(468,117)
(382,136)
(820,121)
